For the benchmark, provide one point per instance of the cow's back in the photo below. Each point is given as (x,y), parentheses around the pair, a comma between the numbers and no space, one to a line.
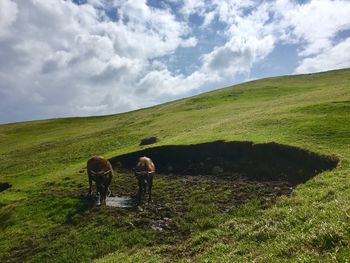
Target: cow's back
(145,164)
(98,164)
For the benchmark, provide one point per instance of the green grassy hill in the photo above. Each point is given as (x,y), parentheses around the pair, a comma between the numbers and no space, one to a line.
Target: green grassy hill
(44,216)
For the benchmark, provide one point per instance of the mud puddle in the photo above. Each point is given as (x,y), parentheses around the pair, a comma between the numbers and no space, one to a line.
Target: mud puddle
(120,201)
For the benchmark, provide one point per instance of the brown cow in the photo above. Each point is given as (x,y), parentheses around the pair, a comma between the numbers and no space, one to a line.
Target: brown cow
(100,170)
(144,173)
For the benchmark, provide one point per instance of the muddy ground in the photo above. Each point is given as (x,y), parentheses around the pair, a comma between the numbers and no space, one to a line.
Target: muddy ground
(174,196)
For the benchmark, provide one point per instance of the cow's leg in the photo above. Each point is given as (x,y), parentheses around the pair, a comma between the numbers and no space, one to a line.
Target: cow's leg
(99,192)
(90,186)
(140,192)
(150,183)
(108,183)
(103,192)
(103,196)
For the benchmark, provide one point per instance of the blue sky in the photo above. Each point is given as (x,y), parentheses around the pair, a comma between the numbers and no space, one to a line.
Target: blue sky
(92,57)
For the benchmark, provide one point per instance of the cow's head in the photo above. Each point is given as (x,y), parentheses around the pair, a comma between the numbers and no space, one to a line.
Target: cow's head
(143,177)
(100,173)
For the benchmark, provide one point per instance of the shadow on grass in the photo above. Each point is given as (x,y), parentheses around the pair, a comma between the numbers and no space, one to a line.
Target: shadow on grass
(85,204)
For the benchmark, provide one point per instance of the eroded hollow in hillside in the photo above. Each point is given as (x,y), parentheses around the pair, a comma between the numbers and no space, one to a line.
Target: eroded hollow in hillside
(229,160)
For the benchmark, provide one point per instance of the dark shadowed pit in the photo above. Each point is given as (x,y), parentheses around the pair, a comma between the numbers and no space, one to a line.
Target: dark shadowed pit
(232,160)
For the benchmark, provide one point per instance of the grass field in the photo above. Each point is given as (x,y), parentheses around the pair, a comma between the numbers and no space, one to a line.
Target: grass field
(45,216)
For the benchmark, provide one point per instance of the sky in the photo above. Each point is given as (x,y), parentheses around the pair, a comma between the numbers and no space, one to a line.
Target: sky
(61,58)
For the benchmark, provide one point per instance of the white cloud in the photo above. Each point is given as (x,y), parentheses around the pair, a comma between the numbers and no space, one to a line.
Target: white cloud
(237,56)
(208,19)
(314,26)
(150,32)
(192,6)
(315,23)
(247,39)
(246,44)
(66,59)
(254,28)
(8,15)
(163,82)
(335,57)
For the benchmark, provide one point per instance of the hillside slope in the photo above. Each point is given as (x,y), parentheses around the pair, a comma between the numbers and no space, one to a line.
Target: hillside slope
(44,216)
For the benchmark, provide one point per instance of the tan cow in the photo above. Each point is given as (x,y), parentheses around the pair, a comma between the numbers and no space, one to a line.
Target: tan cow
(144,172)
(100,170)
